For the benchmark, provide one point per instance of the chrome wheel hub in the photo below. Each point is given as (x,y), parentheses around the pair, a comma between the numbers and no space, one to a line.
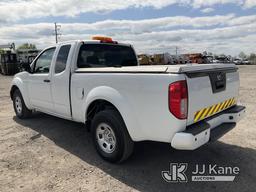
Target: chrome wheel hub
(18,104)
(106,138)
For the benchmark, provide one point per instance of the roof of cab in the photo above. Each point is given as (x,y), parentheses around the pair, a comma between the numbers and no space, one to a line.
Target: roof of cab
(92,42)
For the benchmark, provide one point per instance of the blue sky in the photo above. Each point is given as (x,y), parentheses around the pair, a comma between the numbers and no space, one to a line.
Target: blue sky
(219,26)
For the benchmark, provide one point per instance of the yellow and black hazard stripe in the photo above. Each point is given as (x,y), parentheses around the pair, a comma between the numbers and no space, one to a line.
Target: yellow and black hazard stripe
(206,112)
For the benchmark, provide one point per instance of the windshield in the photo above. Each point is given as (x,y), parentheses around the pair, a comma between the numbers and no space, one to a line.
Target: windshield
(106,55)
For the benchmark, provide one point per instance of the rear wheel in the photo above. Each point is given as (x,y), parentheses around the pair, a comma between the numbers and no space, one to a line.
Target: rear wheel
(19,106)
(111,138)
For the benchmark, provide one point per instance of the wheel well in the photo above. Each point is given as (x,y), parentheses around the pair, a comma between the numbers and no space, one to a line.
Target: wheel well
(13,89)
(97,106)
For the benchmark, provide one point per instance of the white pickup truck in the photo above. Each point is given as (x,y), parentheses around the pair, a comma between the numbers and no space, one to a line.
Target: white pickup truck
(99,83)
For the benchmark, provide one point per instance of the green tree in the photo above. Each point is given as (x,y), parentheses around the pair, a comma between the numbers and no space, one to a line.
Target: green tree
(252,58)
(27,46)
(242,55)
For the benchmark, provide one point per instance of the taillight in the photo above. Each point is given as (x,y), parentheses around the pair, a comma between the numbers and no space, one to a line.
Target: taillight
(178,99)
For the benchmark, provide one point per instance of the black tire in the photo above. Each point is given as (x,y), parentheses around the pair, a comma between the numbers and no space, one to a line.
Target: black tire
(23,112)
(123,142)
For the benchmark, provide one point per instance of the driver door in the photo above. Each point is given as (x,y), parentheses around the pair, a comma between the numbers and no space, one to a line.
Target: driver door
(39,85)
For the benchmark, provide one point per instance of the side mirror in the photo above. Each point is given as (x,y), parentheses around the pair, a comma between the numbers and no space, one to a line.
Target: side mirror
(26,67)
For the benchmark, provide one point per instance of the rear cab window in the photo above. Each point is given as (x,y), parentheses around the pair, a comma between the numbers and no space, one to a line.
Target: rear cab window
(106,55)
(62,58)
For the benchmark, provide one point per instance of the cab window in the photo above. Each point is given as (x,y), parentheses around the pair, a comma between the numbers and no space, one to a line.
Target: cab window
(62,58)
(106,55)
(43,63)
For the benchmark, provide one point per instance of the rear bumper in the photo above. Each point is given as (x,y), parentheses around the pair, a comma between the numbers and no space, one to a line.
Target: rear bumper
(209,129)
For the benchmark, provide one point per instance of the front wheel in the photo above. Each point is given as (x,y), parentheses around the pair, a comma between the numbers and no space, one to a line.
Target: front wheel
(19,106)
(110,136)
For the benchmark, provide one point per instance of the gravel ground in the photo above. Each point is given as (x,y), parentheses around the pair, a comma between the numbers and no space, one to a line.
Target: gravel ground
(46,153)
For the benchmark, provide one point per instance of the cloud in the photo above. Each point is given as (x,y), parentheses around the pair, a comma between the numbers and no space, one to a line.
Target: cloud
(15,10)
(207,10)
(209,3)
(122,26)
(23,9)
(242,20)
(147,25)
(221,34)
(250,3)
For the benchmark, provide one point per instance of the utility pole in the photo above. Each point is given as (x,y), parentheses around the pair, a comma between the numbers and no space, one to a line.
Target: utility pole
(56,31)
(176,50)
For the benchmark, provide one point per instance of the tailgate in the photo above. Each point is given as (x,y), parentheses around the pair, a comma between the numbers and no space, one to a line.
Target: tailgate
(212,88)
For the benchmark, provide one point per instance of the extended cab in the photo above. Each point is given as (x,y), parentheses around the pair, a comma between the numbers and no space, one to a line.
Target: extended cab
(99,83)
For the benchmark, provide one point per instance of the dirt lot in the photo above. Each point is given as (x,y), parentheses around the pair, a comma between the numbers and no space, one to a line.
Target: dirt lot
(50,154)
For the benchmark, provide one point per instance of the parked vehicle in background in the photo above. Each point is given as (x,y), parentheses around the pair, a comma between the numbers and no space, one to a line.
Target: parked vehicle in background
(161,59)
(168,59)
(99,83)
(144,59)
(196,58)
(26,55)
(223,59)
(241,61)
(246,62)
(156,59)
(238,61)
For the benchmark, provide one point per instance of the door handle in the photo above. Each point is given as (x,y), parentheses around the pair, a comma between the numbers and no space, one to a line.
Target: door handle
(47,81)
